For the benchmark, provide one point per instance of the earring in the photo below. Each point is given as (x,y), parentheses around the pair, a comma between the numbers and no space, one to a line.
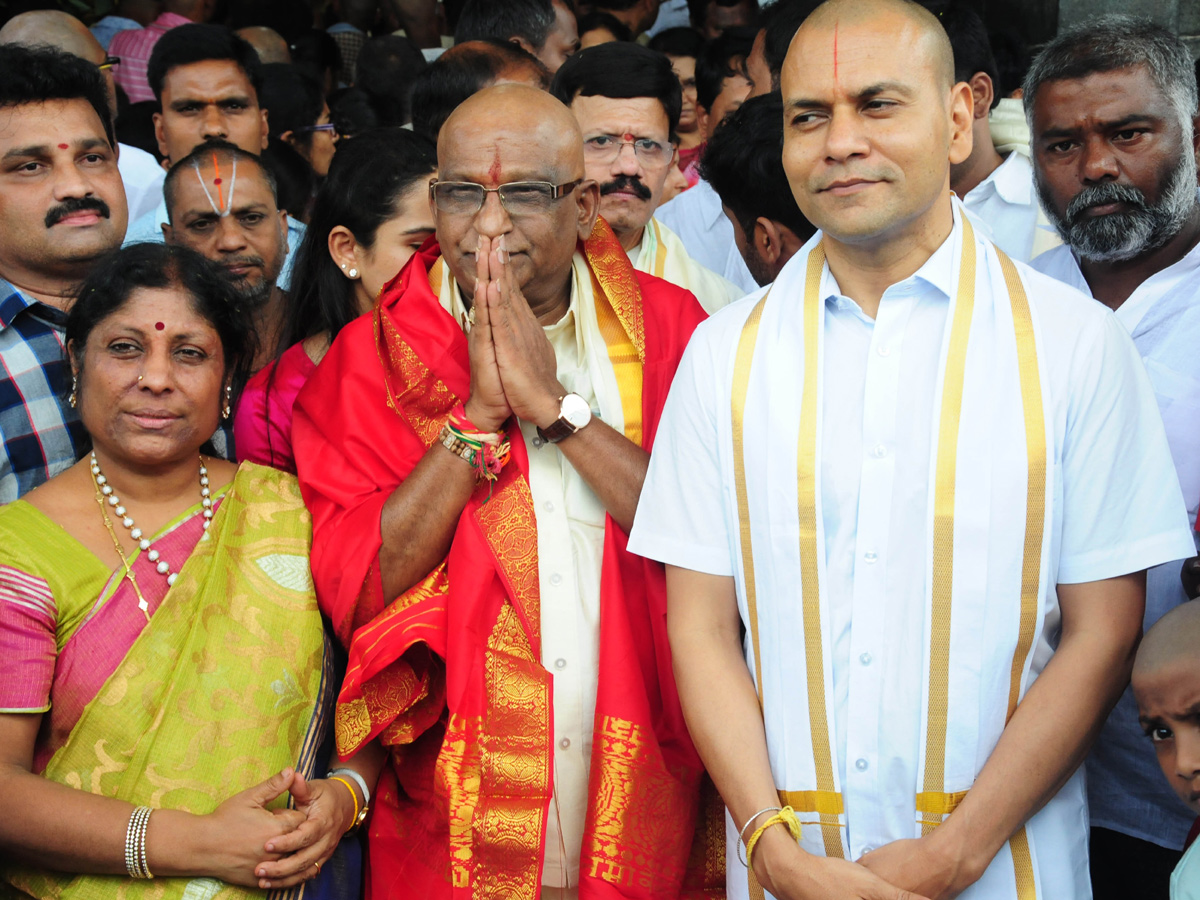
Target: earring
(353,273)
(226,412)
(343,267)
(74,399)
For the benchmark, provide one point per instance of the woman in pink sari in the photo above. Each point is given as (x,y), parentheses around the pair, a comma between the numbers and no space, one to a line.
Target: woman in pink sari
(165,678)
(370,216)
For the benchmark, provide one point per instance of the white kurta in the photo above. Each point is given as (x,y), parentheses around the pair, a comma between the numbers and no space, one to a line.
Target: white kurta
(1006,205)
(1126,790)
(570,537)
(1113,508)
(661,253)
(697,217)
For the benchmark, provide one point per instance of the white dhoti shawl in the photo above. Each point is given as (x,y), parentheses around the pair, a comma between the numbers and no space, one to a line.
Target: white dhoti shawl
(987,588)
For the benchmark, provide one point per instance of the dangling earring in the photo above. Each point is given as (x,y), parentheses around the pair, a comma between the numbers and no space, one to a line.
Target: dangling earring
(74,399)
(225,413)
(353,273)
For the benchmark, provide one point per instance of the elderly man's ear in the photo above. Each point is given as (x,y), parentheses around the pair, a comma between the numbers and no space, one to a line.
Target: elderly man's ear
(588,206)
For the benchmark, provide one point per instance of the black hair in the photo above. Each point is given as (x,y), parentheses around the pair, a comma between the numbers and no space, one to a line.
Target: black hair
(780,21)
(351,111)
(698,10)
(620,71)
(154,265)
(614,4)
(972,49)
(678,42)
(743,161)
(459,73)
(187,44)
(201,153)
(287,18)
(294,101)
(386,69)
(36,74)
(1012,59)
(293,176)
(602,20)
(366,180)
(722,57)
(503,20)
(316,52)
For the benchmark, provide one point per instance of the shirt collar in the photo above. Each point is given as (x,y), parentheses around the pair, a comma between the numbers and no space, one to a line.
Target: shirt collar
(13,302)
(1012,180)
(937,271)
(171,20)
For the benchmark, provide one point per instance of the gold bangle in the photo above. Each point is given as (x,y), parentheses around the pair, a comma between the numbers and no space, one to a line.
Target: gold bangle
(353,796)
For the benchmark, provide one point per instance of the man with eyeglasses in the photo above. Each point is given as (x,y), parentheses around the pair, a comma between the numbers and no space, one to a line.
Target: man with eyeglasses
(627,102)
(472,453)
(140,171)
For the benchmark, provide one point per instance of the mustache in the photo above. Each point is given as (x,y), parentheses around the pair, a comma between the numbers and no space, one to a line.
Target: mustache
(626,183)
(73,205)
(1101,194)
(243,261)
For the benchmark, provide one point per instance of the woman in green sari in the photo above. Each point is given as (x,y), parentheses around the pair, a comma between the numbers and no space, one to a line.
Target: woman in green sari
(165,679)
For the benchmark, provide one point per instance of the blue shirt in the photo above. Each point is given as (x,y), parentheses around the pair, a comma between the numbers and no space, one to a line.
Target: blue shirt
(110,26)
(40,434)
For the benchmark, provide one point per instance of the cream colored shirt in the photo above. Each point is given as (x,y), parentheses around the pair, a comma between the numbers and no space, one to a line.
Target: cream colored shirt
(661,253)
(570,528)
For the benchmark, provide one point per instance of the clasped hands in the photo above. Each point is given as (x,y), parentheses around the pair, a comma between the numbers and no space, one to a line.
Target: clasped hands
(278,848)
(513,367)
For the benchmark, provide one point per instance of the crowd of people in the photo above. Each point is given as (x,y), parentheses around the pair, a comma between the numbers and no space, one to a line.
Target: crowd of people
(535,448)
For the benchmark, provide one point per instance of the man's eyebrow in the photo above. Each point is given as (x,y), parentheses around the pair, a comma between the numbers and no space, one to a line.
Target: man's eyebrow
(1062,131)
(25,152)
(200,101)
(418,230)
(873,90)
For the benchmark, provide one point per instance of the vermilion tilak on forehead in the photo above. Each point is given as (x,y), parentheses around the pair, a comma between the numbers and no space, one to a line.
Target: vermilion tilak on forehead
(64,146)
(494,171)
(835,30)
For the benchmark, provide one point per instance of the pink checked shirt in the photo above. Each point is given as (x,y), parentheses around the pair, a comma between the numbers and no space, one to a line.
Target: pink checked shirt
(134,48)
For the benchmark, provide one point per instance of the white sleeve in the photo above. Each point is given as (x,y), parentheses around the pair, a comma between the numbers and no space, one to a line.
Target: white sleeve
(1122,507)
(682,513)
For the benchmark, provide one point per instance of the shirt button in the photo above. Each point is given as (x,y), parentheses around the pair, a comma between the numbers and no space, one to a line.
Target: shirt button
(883,350)
(865,659)
(870,556)
(867,850)
(556,579)
(879,452)
(565,743)
(560,663)
(861,765)
(537,443)
(549,506)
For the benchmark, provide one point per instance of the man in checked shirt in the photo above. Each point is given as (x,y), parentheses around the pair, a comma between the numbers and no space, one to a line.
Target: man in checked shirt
(62,206)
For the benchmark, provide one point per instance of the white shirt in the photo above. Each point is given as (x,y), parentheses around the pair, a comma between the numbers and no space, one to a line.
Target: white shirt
(661,253)
(570,537)
(697,218)
(1113,512)
(143,179)
(1126,790)
(1005,204)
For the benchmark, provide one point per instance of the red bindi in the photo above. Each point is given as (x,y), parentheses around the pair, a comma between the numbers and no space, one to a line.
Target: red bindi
(64,146)
(159,326)
(216,181)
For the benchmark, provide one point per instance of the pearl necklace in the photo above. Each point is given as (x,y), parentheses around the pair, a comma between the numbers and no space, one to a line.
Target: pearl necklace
(105,494)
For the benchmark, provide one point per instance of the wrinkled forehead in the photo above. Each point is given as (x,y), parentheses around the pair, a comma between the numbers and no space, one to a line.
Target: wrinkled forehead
(468,153)
(217,175)
(1100,97)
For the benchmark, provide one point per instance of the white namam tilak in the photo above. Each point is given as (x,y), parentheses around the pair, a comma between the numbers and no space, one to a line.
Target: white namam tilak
(219,206)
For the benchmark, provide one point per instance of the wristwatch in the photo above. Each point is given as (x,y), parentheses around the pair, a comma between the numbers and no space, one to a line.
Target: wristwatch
(573,413)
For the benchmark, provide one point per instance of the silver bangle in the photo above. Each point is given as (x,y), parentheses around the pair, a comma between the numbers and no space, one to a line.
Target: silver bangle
(742,834)
(136,862)
(356,778)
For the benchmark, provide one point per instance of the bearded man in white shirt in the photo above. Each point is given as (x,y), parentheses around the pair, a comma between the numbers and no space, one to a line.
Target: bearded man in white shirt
(927,480)
(1112,107)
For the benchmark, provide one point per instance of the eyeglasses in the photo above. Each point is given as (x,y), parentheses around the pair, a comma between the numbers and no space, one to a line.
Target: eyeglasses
(605,148)
(109,62)
(519,198)
(328,126)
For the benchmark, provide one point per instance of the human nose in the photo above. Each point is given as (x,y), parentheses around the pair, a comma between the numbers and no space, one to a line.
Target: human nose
(1097,161)
(213,124)
(156,368)
(844,137)
(492,220)
(70,182)
(230,237)
(1187,753)
(627,162)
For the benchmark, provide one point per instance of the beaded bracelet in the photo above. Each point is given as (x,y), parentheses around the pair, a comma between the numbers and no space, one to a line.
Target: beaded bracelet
(136,862)
(487,452)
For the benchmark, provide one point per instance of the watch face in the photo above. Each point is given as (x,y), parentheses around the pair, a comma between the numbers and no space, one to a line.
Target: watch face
(576,410)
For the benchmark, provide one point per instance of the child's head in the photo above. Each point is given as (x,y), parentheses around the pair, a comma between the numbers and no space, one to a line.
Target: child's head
(1166,684)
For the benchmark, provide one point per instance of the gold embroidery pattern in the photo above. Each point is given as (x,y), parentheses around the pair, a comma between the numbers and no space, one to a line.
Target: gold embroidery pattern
(633,820)
(616,275)
(509,524)
(627,366)
(412,390)
(458,780)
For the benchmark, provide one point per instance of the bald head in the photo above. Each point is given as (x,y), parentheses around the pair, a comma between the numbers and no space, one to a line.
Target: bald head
(267,43)
(1174,637)
(518,115)
(58,29)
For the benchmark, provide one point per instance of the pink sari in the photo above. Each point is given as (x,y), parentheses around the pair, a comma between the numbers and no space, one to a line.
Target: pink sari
(262,425)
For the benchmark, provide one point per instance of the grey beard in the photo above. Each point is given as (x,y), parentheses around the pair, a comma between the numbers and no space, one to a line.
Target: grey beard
(1131,232)
(255,296)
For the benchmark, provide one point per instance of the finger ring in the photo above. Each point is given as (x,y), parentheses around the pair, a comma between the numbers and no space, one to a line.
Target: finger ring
(318,865)
(471,314)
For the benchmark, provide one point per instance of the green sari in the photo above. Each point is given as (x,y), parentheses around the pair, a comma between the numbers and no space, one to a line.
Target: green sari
(227,684)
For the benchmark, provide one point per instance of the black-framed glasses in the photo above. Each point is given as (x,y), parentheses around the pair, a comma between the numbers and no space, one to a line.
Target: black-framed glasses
(605,148)
(519,198)
(328,126)
(109,62)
